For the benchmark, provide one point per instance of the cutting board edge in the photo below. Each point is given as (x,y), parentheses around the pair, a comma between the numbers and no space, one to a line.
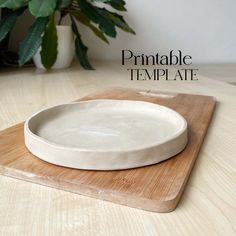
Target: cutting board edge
(160,206)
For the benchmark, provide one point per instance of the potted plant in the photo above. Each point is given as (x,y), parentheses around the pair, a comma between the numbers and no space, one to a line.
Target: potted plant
(53,45)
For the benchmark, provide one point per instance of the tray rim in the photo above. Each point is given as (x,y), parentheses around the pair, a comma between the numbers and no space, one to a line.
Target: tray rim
(108,159)
(181,131)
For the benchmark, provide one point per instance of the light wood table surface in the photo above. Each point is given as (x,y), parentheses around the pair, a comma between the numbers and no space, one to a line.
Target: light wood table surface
(208,205)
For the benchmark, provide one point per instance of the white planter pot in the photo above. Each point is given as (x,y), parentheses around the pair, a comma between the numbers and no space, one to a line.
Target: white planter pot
(65,49)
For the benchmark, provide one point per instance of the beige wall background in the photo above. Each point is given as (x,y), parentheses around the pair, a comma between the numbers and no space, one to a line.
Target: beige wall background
(205,29)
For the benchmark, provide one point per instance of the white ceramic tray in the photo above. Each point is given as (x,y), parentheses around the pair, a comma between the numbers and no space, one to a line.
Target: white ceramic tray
(105,134)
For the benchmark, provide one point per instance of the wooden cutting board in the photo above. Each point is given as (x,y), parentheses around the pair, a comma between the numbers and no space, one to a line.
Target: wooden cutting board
(154,188)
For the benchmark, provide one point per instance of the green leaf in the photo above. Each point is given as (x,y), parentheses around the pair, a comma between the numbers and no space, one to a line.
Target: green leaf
(63,3)
(118,20)
(33,40)
(42,8)
(106,25)
(84,20)
(117,4)
(12,4)
(80,48)
(8,22)
(49,45)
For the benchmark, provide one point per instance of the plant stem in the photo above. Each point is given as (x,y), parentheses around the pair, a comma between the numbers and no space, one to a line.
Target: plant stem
(62,14)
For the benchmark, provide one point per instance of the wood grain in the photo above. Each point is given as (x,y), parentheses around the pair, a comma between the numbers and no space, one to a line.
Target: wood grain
(154,188)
